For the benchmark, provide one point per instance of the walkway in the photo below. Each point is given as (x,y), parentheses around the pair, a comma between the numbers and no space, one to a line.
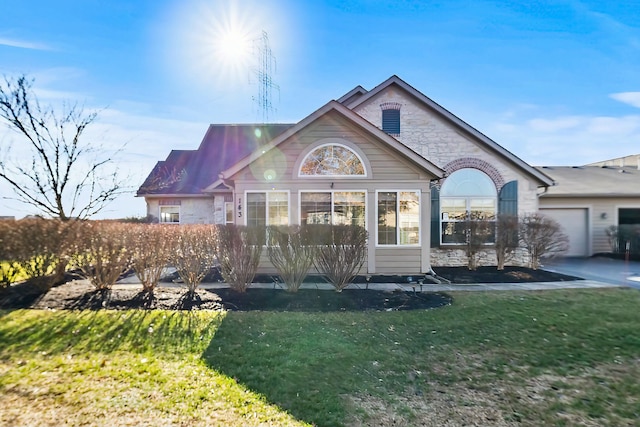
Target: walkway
(600,269)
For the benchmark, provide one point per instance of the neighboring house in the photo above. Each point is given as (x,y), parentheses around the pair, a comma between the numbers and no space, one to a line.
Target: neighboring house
(587,200)
(389,159)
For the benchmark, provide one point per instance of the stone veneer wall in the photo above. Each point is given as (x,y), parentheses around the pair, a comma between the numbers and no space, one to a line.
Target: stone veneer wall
(441,143)
(458,258)
(192,210)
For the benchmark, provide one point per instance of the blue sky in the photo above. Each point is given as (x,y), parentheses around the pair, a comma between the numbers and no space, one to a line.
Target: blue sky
(555,82)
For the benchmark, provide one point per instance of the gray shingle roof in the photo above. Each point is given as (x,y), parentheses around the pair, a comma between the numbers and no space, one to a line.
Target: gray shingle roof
(189,171)
(593,181)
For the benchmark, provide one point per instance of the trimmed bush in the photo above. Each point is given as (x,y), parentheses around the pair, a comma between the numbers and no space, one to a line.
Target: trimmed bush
(9,266)
(193,252)
(239,250)
(40,248)
(101,252)
(151,253)
(291,252)
(341,252)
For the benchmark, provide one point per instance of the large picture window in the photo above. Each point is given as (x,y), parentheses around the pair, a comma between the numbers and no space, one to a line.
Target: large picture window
(332,160)
(267,208)
(333,207)
(398,217)
(467,195)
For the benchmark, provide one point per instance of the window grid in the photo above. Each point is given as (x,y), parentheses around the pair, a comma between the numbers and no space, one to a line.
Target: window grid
(398,218)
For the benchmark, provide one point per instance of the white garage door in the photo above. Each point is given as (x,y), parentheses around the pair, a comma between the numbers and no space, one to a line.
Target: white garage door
(574,222)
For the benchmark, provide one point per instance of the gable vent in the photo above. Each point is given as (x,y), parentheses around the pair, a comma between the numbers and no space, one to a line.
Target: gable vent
(391,117)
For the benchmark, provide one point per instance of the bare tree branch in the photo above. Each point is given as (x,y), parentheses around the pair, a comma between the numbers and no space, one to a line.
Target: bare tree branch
(65,176)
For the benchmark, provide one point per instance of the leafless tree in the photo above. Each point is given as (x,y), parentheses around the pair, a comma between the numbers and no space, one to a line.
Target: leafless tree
(542,237)
(63,176)
(479,232)
(506,238)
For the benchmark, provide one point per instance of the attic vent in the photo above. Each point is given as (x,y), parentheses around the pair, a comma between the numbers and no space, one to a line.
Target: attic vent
(391,117)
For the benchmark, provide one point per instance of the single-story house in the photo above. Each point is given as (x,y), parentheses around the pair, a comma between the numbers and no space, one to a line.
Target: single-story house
(588,200)
(390,159)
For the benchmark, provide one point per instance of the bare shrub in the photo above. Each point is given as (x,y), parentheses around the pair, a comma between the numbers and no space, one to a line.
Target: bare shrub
(291,252)
(341,252)
(9,266)
(39,247)
(193,252)
(101,252)
(151,253)
(479,231)
(542,237)
(506,239)
(239,250)
(613,236)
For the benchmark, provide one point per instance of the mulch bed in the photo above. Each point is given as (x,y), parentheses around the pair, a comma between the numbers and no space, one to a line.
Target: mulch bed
(487,274)
(80,295)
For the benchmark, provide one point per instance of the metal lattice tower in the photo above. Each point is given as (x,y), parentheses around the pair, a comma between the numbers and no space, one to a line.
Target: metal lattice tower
(265,68)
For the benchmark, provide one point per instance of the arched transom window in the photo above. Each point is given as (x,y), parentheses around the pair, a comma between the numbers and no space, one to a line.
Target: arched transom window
(468,205)
(332,160)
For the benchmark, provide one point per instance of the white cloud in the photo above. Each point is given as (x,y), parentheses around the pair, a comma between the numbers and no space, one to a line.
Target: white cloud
(145,139)
(555,124)
(23,44)
(568,140)
(631,98)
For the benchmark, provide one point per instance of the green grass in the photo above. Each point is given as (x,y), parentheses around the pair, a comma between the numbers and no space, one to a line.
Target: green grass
(526,358)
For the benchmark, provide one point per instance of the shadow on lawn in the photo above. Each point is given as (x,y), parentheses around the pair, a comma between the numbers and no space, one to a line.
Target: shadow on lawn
(283,364)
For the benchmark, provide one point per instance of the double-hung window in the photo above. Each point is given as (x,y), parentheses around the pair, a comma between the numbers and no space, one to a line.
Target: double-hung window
(333,207)
(398,215)
(267,208)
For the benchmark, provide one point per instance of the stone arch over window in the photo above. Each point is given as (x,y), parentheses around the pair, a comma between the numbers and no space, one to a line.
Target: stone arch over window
(468,206)
(473,163)
(332,159)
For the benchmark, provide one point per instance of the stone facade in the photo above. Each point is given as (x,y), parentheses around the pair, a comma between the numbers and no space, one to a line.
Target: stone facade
(437,140)
(192,210)
(458,258)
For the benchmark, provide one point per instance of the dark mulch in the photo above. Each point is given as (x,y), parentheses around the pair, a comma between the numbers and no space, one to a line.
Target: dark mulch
(80,295)
(460,275)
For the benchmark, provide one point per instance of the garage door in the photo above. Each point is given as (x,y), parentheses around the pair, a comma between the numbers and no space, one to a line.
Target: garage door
(574,223)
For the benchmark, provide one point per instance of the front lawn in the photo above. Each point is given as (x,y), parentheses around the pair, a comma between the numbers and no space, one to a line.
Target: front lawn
(568,357)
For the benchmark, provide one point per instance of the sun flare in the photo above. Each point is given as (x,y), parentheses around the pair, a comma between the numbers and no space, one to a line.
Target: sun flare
(233,46)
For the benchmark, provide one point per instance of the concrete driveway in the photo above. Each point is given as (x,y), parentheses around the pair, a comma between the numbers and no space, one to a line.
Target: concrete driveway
(601,269)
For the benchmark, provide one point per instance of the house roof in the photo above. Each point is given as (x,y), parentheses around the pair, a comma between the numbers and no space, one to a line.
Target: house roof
(190,171)
(337,107)
(355,101)
(593,181)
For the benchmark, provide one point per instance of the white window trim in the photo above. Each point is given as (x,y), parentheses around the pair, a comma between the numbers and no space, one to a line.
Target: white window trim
(420,219)
(337,144)
(169,206)
(332,192)
(233,212)
(246,216)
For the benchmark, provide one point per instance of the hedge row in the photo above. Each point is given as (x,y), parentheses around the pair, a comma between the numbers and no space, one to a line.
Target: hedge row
(42,250)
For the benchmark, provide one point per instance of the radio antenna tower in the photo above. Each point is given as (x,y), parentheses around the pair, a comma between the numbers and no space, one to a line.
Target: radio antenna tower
(266,65)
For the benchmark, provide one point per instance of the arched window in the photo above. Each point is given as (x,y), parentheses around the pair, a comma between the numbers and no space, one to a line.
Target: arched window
(332,160)
(468,206)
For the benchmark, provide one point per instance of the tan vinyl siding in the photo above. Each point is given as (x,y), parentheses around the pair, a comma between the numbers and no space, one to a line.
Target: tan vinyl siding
(384,163)
(398,260)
